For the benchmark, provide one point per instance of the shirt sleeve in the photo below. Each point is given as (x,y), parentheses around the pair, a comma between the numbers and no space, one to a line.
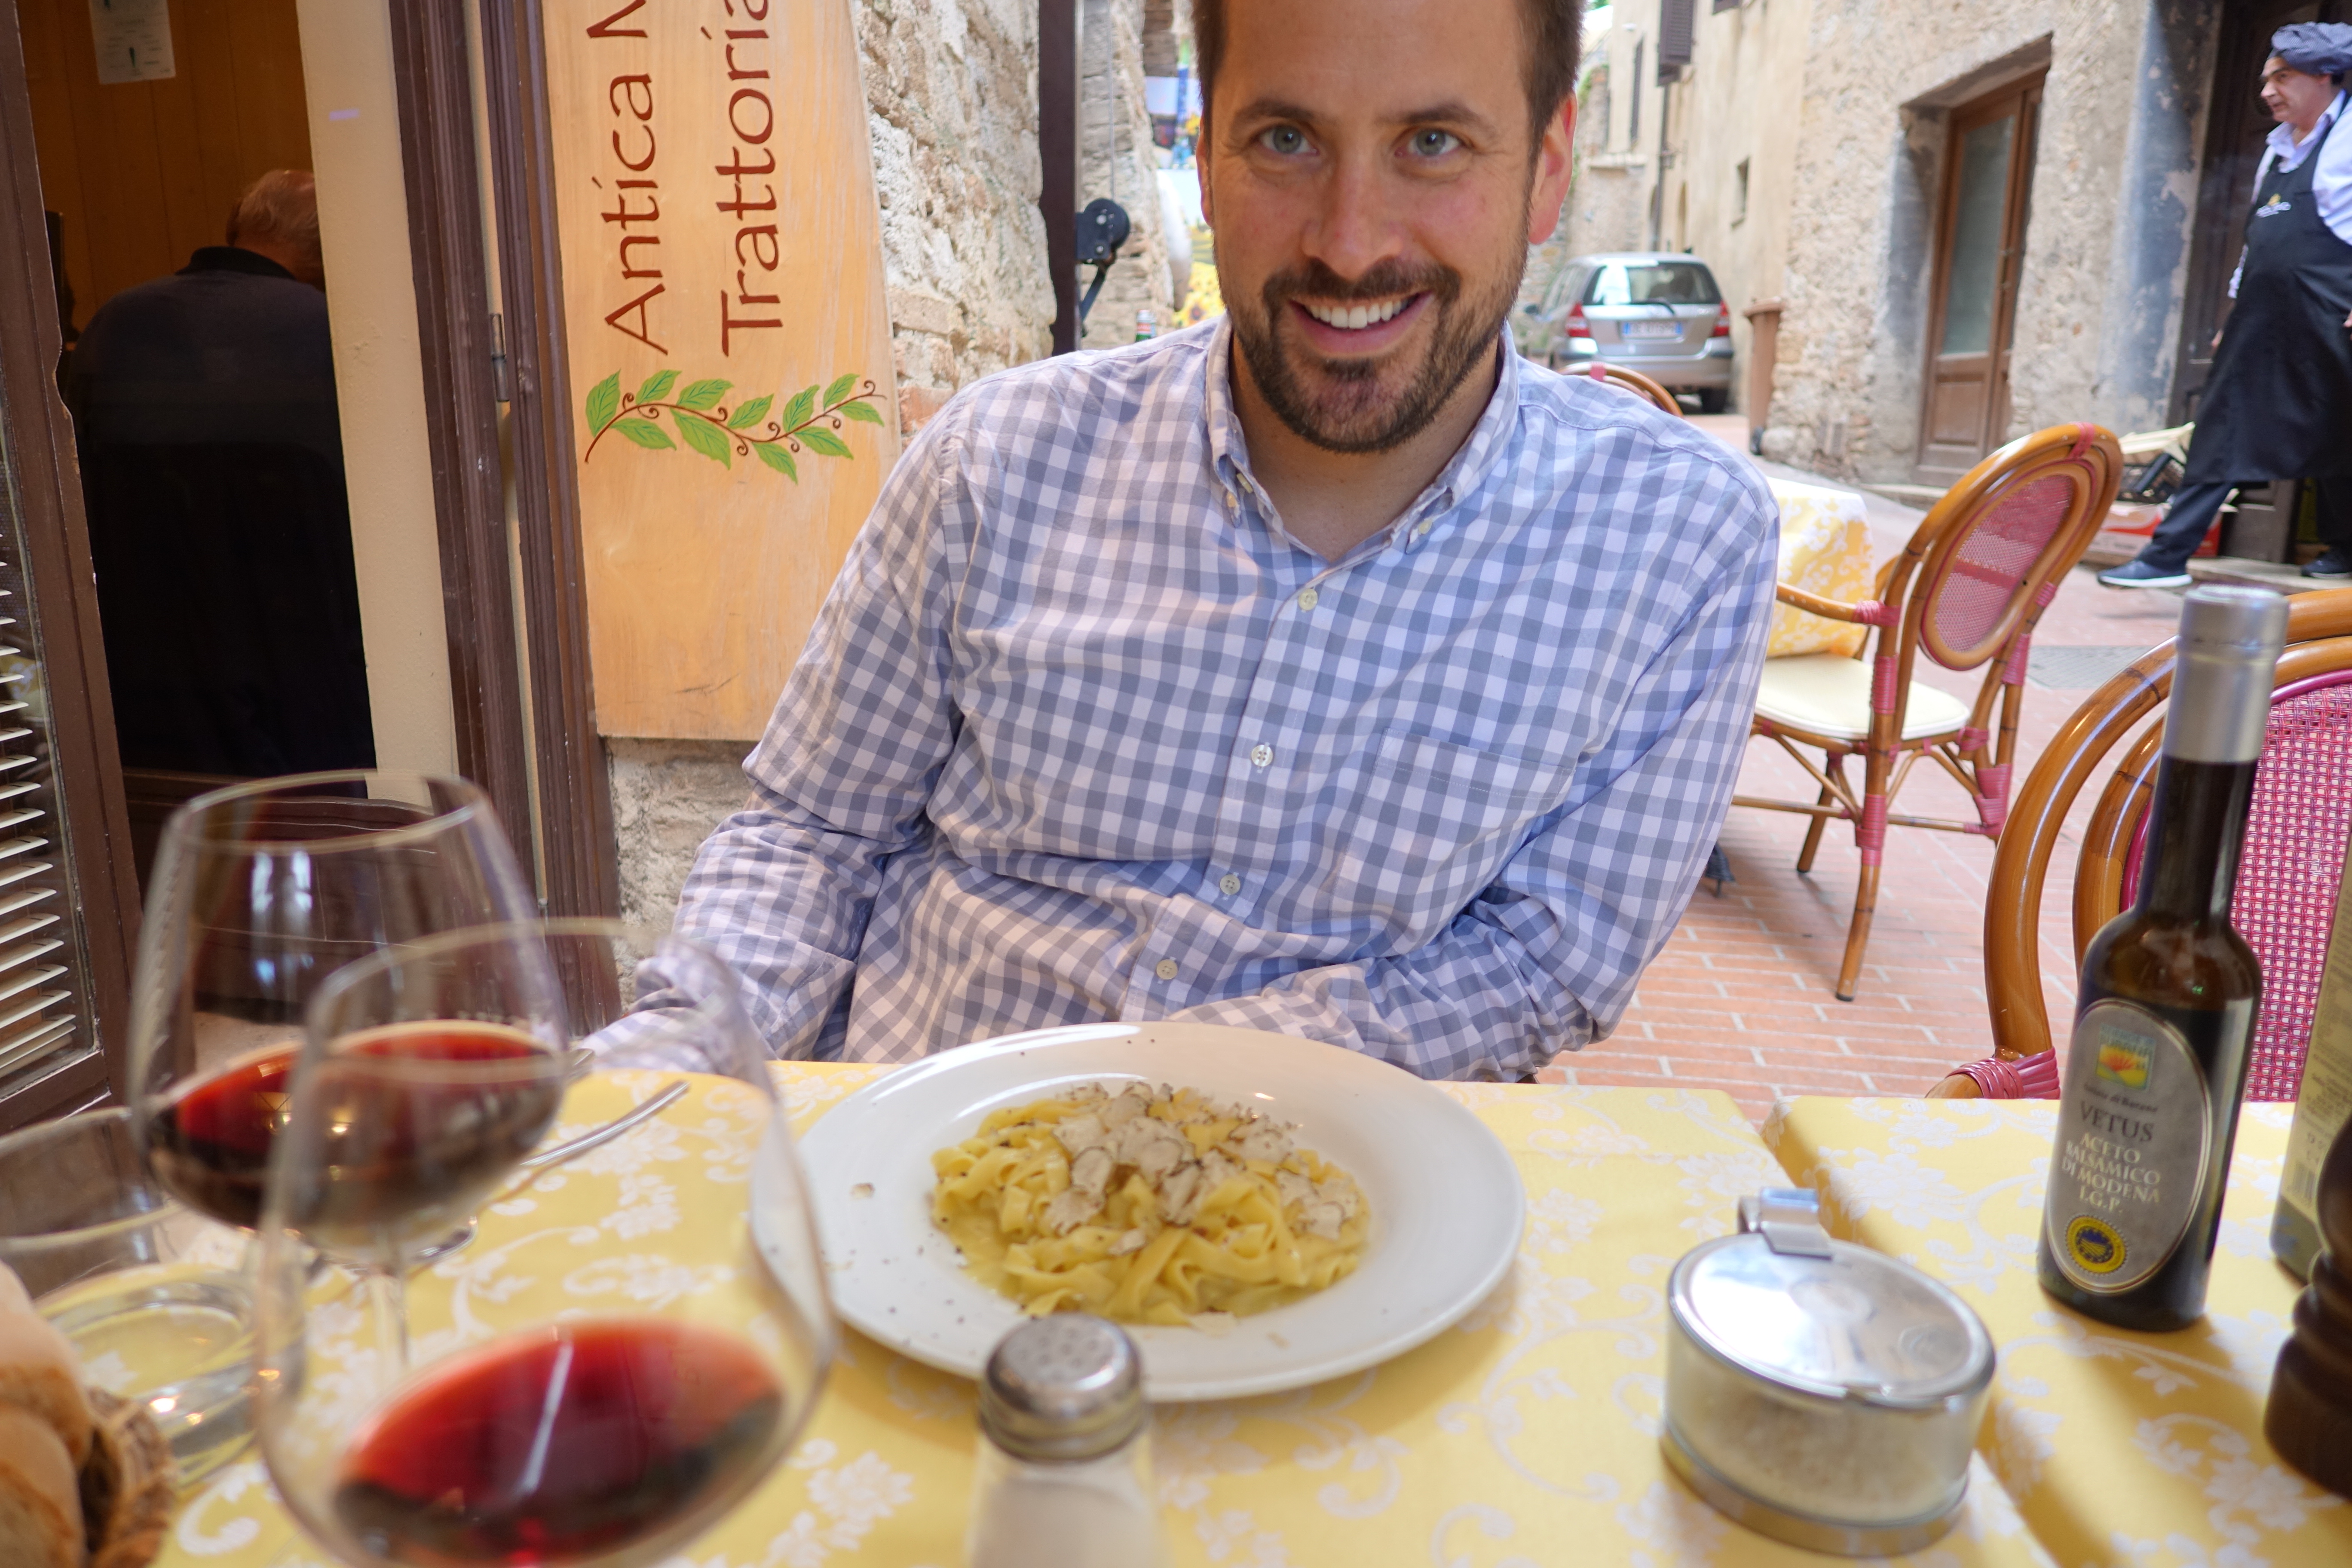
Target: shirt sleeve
(1547,957)
(782,890)
(2331,181)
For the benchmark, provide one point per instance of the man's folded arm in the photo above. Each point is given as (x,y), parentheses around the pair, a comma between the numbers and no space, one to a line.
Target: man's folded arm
(783,889)
(1547,956)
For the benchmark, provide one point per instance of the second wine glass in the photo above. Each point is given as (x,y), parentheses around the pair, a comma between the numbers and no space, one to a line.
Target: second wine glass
(260,892)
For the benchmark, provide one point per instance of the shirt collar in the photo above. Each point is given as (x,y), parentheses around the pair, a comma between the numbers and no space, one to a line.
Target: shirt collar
(233,259)
(1463,473)
(2290,152)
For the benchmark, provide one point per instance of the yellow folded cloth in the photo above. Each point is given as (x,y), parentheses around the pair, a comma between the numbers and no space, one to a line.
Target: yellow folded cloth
(1824,549)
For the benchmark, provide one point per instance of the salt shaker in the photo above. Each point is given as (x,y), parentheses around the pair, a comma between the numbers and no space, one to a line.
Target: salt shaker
(1065,1475)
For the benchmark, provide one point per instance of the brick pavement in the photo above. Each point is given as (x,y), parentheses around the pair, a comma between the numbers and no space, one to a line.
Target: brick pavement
(1742,999)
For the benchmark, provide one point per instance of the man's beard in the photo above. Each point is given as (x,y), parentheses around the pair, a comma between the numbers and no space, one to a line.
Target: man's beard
(1354,412)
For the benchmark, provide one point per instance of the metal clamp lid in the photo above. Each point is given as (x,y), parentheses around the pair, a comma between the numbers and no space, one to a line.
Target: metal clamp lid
(1826,1318)
(1789,1219)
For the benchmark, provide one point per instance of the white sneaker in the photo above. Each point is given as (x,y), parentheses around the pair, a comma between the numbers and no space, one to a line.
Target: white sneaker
(2140,574)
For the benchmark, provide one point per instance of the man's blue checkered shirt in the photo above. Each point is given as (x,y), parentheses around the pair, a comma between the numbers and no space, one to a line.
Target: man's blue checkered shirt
(1081,733)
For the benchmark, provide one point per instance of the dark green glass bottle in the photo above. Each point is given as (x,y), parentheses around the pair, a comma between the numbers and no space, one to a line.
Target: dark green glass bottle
(2170,991)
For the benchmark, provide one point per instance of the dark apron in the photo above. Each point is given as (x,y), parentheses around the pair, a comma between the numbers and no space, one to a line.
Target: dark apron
(2278,403)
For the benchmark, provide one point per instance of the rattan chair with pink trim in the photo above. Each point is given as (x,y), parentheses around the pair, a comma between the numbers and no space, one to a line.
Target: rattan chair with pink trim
(2289,875)
(1967,592)
(1635,381)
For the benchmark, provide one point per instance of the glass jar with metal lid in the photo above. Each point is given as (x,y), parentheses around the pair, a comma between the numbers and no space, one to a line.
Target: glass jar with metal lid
(1818,1391)
(1065,1472)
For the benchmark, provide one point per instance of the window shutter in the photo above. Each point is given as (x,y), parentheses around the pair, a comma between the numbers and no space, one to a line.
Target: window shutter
(1729,5)
(1676,24)
(44,1018)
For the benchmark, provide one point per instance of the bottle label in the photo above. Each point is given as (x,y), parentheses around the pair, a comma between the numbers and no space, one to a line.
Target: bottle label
(2135,1135)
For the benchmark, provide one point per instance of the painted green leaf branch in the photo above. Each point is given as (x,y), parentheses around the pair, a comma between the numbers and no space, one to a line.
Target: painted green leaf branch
(811,421)
(604,402)
(705,437)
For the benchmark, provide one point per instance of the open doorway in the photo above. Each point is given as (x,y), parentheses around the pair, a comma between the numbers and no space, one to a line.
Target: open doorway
(173,147)
(1985,196)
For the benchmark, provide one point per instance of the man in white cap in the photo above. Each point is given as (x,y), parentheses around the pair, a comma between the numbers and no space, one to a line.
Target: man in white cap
(2279,401)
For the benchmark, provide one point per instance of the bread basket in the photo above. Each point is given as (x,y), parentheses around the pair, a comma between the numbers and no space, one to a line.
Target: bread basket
(127,1486)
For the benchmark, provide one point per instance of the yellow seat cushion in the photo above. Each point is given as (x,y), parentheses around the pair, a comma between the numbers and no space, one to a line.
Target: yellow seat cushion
(1828,695)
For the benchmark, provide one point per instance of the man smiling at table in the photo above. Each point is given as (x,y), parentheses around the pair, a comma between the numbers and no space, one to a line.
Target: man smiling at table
(1324,669)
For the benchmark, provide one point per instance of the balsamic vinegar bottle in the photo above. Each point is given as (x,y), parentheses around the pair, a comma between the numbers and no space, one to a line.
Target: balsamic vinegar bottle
(2166,1018)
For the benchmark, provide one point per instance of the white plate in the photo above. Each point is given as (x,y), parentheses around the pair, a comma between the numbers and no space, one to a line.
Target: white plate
(1446,1200)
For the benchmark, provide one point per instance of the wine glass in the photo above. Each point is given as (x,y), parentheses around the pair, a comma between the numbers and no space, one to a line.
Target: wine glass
(540,1414)
(257,892)
(260,892)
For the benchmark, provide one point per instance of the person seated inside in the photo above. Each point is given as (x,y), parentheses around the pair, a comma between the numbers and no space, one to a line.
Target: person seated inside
(1323,668)
(212,464)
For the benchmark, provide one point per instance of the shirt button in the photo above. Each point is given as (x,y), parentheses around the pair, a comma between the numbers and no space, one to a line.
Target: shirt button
(1306,599)
(1422,533)
(1261,755)
(1165,969)
(1228,884)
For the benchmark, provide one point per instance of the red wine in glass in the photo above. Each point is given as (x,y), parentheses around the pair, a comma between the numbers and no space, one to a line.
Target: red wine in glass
(579,1441)
(421,1121)
(208,1144)
(411,1142)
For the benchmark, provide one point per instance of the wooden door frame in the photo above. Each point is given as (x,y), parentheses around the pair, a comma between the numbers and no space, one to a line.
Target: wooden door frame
(37,452)
(2025,93)
(519,690)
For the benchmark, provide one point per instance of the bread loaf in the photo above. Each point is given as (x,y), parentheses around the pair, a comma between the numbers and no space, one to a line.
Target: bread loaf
(40,1375)
(40,1500)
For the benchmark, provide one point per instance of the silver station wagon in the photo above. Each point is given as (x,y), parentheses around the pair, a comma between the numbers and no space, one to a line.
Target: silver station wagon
(1656,312)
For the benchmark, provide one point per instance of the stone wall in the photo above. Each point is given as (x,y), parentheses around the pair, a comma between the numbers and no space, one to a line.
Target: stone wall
(1118,159)
(951,95)
(2106,247)
(666,797)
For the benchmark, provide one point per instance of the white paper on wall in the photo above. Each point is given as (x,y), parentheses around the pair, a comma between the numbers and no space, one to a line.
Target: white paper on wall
(133,39)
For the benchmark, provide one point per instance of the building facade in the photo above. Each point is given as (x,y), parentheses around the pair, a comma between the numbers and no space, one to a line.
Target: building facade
(1978,217)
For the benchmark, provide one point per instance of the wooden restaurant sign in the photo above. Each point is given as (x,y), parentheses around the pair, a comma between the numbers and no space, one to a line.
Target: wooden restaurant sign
(728,339)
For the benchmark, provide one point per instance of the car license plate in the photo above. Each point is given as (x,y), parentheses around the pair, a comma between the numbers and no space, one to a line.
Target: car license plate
(1653,329)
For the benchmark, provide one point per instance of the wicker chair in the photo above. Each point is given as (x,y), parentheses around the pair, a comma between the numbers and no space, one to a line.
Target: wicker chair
(1967,592)
(1635,381)
(2288,879)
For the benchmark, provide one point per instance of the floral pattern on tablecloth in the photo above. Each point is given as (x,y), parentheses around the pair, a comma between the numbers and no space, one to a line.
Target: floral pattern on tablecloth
(1525,1435)
(1825,551)
(2126,1449)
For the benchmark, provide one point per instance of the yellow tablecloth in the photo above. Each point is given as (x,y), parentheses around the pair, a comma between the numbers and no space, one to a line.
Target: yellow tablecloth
(1529,1434)
(1824,549)
(2121,1448)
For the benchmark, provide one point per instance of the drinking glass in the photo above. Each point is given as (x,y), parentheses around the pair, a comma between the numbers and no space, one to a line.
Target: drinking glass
(260,892)
(572,1390)
(152,1296)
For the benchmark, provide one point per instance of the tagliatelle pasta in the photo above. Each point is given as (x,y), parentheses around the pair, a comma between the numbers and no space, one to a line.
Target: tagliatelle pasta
(1147,1208)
